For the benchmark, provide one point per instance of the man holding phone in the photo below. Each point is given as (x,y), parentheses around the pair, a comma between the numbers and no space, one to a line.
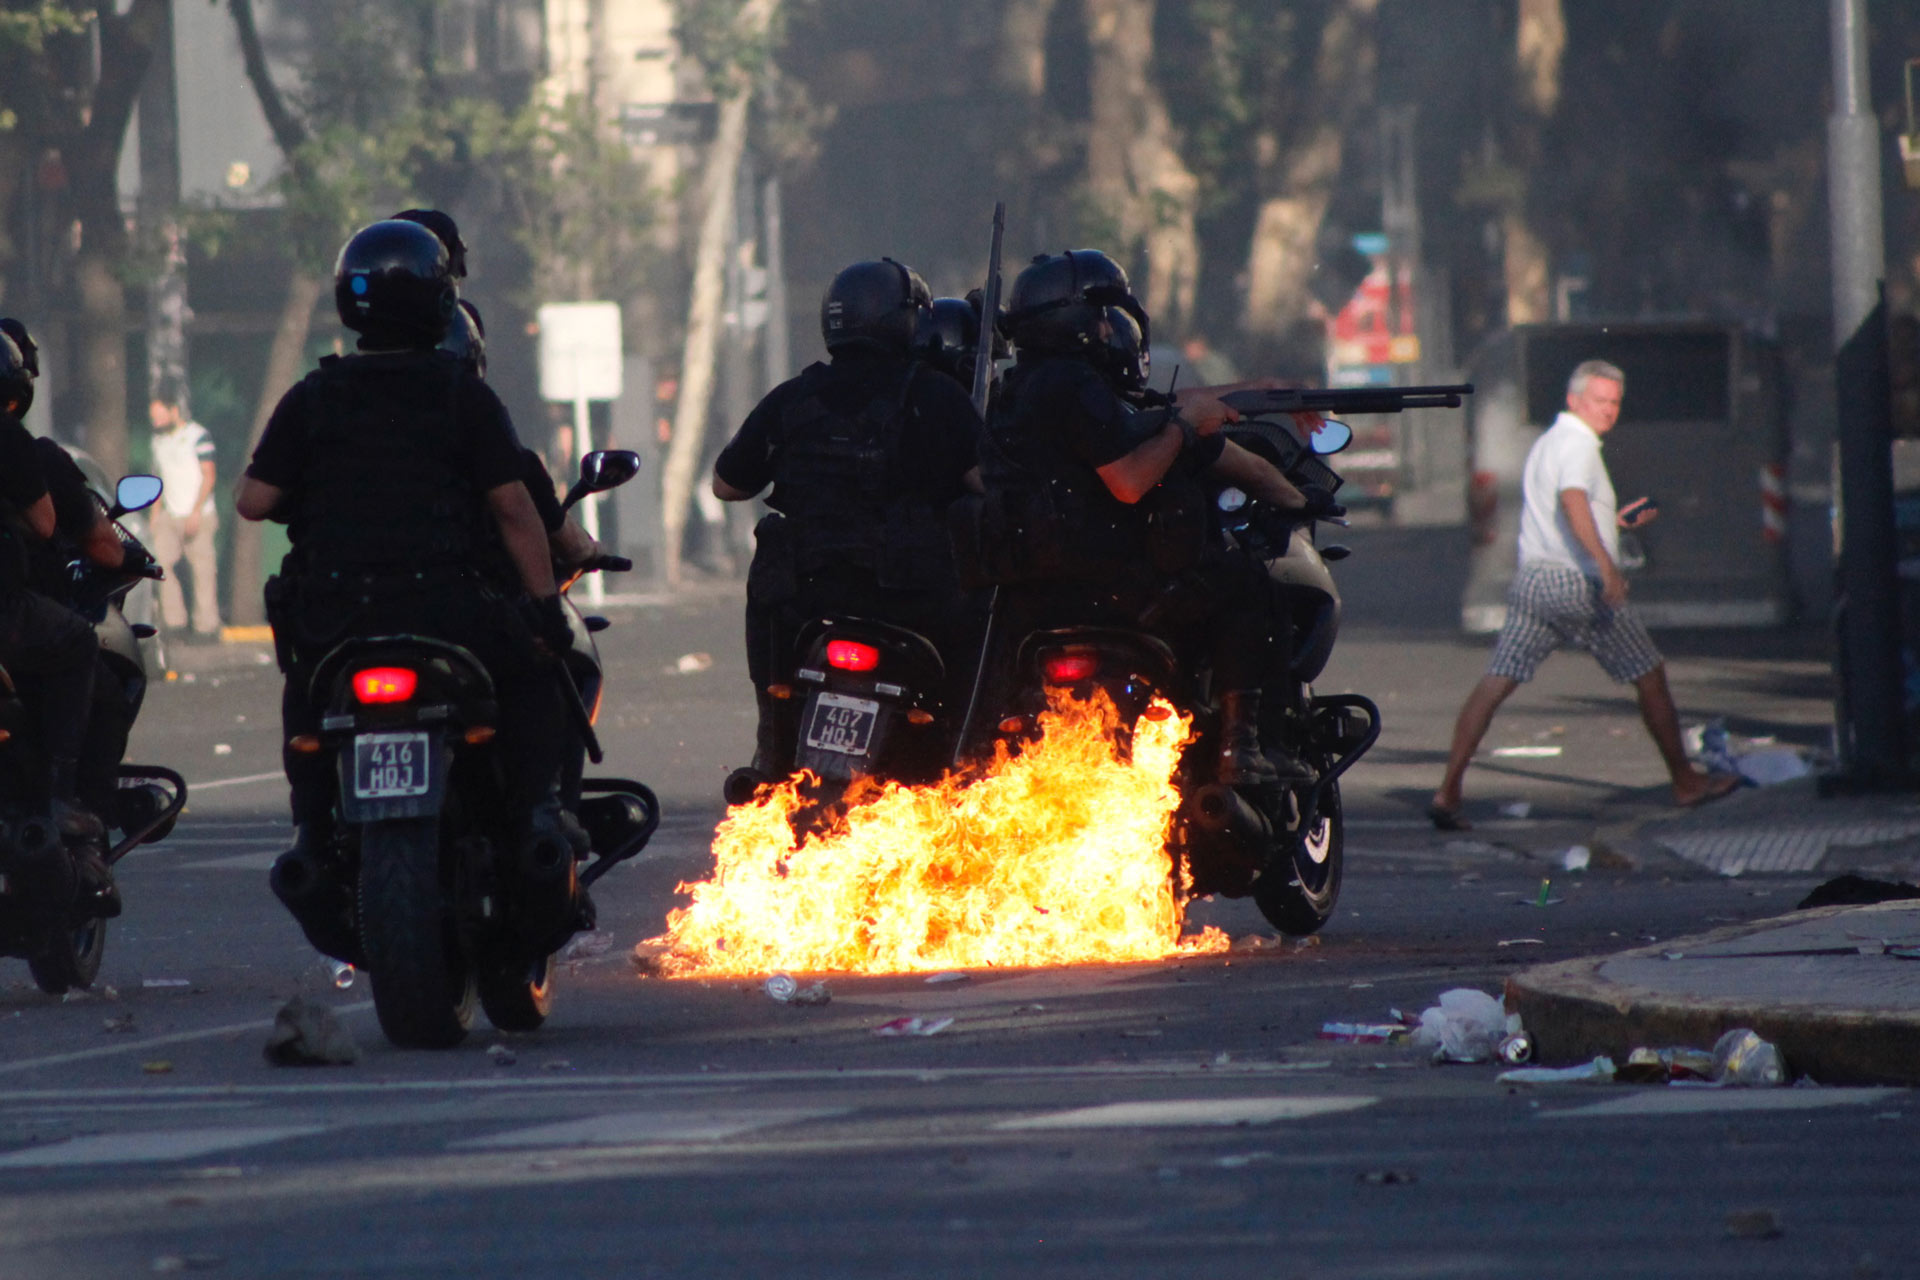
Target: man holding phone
(1570,591)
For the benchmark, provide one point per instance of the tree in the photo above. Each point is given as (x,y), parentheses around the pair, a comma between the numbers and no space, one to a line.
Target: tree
(1135,173)
(72,73)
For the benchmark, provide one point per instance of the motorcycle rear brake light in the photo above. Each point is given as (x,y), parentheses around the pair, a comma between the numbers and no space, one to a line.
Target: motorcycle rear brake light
(851,655)
(385,684)
(1070,668)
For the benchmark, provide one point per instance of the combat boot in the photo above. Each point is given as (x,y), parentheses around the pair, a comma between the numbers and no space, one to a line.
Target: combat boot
(1242,762)
(75,824)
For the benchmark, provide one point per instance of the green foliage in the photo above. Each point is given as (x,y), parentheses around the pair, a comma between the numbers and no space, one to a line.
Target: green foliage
(25,24)
(709,32)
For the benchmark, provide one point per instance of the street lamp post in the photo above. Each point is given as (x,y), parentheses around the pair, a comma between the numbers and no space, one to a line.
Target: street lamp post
(1872,708)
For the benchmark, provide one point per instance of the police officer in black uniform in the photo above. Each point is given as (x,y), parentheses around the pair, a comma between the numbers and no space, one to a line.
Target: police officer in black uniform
(864,453)
(47,648)
(397,472)
(1095,500)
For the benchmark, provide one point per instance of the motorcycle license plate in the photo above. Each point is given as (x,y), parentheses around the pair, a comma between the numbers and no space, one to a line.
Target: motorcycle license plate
(391,765)
(842,724)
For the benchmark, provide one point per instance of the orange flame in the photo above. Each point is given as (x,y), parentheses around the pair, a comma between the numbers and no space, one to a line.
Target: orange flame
(1055,856)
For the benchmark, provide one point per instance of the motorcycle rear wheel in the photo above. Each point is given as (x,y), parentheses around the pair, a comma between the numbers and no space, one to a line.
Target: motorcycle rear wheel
(71,958)
(423,988)
(1301,883)
(517,997)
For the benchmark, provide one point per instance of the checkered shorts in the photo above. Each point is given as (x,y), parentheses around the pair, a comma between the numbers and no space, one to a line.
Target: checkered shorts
(1551,607)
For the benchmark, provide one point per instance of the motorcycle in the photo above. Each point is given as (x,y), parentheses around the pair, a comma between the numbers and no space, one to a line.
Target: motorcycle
(426,885)
(45,915)
(1282,844)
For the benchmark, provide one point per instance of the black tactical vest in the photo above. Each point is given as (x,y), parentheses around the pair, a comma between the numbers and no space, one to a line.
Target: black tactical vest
(385,488)
(839,481)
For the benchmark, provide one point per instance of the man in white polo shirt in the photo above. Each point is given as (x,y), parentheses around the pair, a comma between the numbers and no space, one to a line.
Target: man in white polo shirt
(1570,591)
(184,521)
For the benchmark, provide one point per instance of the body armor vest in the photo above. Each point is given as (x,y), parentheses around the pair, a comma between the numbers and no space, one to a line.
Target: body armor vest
(385,489)
(840,484)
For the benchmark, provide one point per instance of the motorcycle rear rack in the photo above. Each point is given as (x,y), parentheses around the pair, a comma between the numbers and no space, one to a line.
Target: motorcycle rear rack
(150,773)
(636,842)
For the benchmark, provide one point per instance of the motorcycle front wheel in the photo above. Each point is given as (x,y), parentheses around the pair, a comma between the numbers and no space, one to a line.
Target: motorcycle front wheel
(517,997)
(423,989)
(1297,890)
(71,958)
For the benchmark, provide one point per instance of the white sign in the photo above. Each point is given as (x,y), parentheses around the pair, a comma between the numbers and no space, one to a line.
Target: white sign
(580,351)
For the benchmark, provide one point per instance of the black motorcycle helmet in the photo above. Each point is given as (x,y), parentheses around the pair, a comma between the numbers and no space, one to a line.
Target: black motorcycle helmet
(876,305)
(393,286)
(467,338)
(446,231)
(29,350)
(16,384)
(949,338)
(1123,350)
(1057,304)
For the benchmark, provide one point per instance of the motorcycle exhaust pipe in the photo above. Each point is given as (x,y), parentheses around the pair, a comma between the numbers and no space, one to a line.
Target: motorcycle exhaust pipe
(1220,810)
(320,904)
(38,864)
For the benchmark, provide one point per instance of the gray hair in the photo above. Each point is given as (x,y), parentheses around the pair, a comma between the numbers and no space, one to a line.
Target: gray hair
(1591,369)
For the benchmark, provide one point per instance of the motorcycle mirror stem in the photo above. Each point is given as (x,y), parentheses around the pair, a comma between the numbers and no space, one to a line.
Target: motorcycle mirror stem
(601,470)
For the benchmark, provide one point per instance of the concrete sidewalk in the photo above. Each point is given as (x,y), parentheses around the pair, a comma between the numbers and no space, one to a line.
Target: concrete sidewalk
(1836,988)
(1791,829)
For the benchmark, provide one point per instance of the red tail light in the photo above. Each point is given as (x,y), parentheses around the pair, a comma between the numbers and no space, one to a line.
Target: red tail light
(384,684)
(851,655)
(1070,668)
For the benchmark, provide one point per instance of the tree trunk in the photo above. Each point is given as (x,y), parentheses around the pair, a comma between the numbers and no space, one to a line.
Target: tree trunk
(1025,142)
(717,193)
(1540,45)
(284,358)
(1300,162)
(103,358)
(1134,169)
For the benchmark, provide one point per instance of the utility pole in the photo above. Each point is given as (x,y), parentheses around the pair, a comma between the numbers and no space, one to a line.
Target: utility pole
(1872,707)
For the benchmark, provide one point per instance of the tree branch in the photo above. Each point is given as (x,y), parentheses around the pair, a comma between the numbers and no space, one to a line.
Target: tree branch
(288,132)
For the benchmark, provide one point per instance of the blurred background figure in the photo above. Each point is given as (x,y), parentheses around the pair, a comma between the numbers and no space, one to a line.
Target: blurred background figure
(184,520)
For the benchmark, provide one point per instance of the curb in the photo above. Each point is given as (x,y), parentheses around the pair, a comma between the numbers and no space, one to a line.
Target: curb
(1574,1014)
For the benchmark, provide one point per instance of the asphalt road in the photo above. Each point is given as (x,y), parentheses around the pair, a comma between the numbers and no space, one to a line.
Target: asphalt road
(1175,1118)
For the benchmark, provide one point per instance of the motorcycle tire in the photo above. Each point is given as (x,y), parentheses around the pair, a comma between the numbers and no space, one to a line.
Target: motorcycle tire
(517,997)
(423,989)
(1301,883)
(71,958)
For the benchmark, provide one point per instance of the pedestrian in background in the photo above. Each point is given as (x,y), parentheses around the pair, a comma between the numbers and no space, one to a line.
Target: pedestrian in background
(184,520)
(1569,591)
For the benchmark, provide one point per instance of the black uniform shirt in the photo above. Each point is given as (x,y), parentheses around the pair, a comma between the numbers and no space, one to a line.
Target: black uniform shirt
(22,483)
(939,442)
(491,448)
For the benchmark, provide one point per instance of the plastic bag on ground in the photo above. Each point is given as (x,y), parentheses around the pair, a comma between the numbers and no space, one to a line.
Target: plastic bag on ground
(1466,1026)
(1742,1058)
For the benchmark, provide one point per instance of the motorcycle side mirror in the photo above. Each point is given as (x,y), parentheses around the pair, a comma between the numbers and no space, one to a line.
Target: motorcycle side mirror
(135,493)
(1330,437)
(604,469)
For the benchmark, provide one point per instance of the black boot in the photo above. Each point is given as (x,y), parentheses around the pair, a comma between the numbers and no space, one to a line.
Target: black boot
(1242,762)
(75,824)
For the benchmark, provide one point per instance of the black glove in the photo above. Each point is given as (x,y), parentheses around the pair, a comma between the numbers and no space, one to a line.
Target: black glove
(546,618)
(1320,503)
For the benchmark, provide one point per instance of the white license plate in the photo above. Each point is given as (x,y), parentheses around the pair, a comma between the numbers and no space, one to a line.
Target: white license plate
(390,765)
(842,724)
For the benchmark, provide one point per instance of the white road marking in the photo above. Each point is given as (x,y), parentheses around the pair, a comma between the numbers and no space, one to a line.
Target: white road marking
(151,1042)
(1183,1113)
(713,1079)
(193,787)
(262,861)
(628,1127)
(1694,1101)
(147,1148)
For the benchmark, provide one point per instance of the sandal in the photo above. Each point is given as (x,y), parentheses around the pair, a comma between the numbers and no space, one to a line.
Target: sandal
(1447,819)
(1718,785)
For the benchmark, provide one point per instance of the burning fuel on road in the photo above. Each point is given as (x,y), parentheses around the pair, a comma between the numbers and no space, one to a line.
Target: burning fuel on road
(1054,855)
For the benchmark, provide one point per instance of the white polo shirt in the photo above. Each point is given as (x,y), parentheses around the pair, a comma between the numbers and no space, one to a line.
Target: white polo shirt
(177,455)
(1566,456)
